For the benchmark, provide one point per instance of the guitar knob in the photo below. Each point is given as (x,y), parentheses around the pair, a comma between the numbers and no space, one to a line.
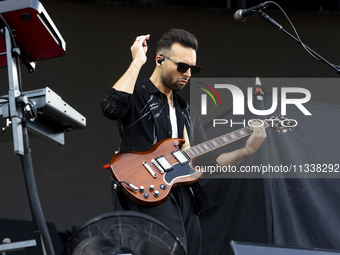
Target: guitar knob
(146,195)
(152,187)
(156,193)
(141,189)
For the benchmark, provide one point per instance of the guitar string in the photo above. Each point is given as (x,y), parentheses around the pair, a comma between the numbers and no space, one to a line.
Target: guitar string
(220,143)
(210,146)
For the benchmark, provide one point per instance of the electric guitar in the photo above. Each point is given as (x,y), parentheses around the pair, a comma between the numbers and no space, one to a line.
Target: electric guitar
(147,177)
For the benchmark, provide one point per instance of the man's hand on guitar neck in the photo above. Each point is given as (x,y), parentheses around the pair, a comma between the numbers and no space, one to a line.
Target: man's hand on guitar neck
(256,139)
(252,145)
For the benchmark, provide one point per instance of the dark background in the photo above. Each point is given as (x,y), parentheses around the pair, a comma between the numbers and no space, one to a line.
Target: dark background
(72,184)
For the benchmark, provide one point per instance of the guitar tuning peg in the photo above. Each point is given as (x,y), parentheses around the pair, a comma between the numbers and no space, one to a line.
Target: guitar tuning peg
(278,131)
(284,131)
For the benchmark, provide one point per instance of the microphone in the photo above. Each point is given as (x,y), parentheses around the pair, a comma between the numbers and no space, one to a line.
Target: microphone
(242,14)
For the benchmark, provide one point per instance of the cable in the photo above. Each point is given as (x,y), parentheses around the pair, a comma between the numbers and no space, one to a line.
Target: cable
(9,29)
(298,39)
(295,31)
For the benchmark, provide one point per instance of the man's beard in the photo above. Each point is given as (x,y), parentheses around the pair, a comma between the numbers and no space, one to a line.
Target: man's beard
(169,83)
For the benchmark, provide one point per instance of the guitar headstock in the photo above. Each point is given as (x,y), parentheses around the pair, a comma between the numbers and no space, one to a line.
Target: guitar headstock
(281,122)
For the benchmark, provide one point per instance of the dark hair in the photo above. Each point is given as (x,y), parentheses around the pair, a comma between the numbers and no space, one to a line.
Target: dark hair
(180,36)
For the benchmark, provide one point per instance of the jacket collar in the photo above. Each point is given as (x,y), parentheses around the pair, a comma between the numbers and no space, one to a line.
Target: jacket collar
(152,89)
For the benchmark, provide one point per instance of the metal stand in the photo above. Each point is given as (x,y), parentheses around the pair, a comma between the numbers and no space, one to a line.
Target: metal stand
(21,148)
(271,21)
(17,246)
(38,39)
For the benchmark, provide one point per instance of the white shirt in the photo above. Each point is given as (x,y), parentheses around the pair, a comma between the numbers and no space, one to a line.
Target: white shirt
(173,120)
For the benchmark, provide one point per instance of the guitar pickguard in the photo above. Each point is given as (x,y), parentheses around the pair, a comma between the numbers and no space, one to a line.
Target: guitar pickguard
(178,171)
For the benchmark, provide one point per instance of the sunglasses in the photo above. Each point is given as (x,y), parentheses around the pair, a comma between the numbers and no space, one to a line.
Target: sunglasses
(183,67)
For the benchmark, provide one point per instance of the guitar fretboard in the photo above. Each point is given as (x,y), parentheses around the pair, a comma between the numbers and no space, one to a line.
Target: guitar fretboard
(218,142)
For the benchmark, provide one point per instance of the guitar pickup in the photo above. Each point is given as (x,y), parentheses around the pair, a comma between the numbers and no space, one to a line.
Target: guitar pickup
(164,163)
(181,157)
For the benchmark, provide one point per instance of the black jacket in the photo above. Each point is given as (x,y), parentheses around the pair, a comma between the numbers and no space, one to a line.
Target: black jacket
(143,117)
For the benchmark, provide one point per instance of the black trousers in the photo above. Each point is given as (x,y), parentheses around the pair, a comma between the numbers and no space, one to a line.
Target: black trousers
(177,213)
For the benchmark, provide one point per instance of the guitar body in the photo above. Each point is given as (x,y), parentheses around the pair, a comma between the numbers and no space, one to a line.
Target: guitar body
(147,177)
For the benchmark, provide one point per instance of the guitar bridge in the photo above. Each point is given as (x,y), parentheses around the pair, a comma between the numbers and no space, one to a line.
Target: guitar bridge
(160,169)
(152,172)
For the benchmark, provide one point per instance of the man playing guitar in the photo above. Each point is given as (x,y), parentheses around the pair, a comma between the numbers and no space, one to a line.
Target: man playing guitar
(152,110)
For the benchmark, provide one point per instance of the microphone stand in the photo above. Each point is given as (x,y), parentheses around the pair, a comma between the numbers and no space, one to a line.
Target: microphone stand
(279,27)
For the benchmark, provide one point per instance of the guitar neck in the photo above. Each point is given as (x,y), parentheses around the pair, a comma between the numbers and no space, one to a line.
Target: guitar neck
(220,141)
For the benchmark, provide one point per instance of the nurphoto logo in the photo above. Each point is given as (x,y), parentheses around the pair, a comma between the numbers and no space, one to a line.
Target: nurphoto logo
(212,95)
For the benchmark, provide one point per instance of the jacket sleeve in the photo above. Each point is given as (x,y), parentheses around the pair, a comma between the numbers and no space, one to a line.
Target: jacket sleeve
(115,104)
